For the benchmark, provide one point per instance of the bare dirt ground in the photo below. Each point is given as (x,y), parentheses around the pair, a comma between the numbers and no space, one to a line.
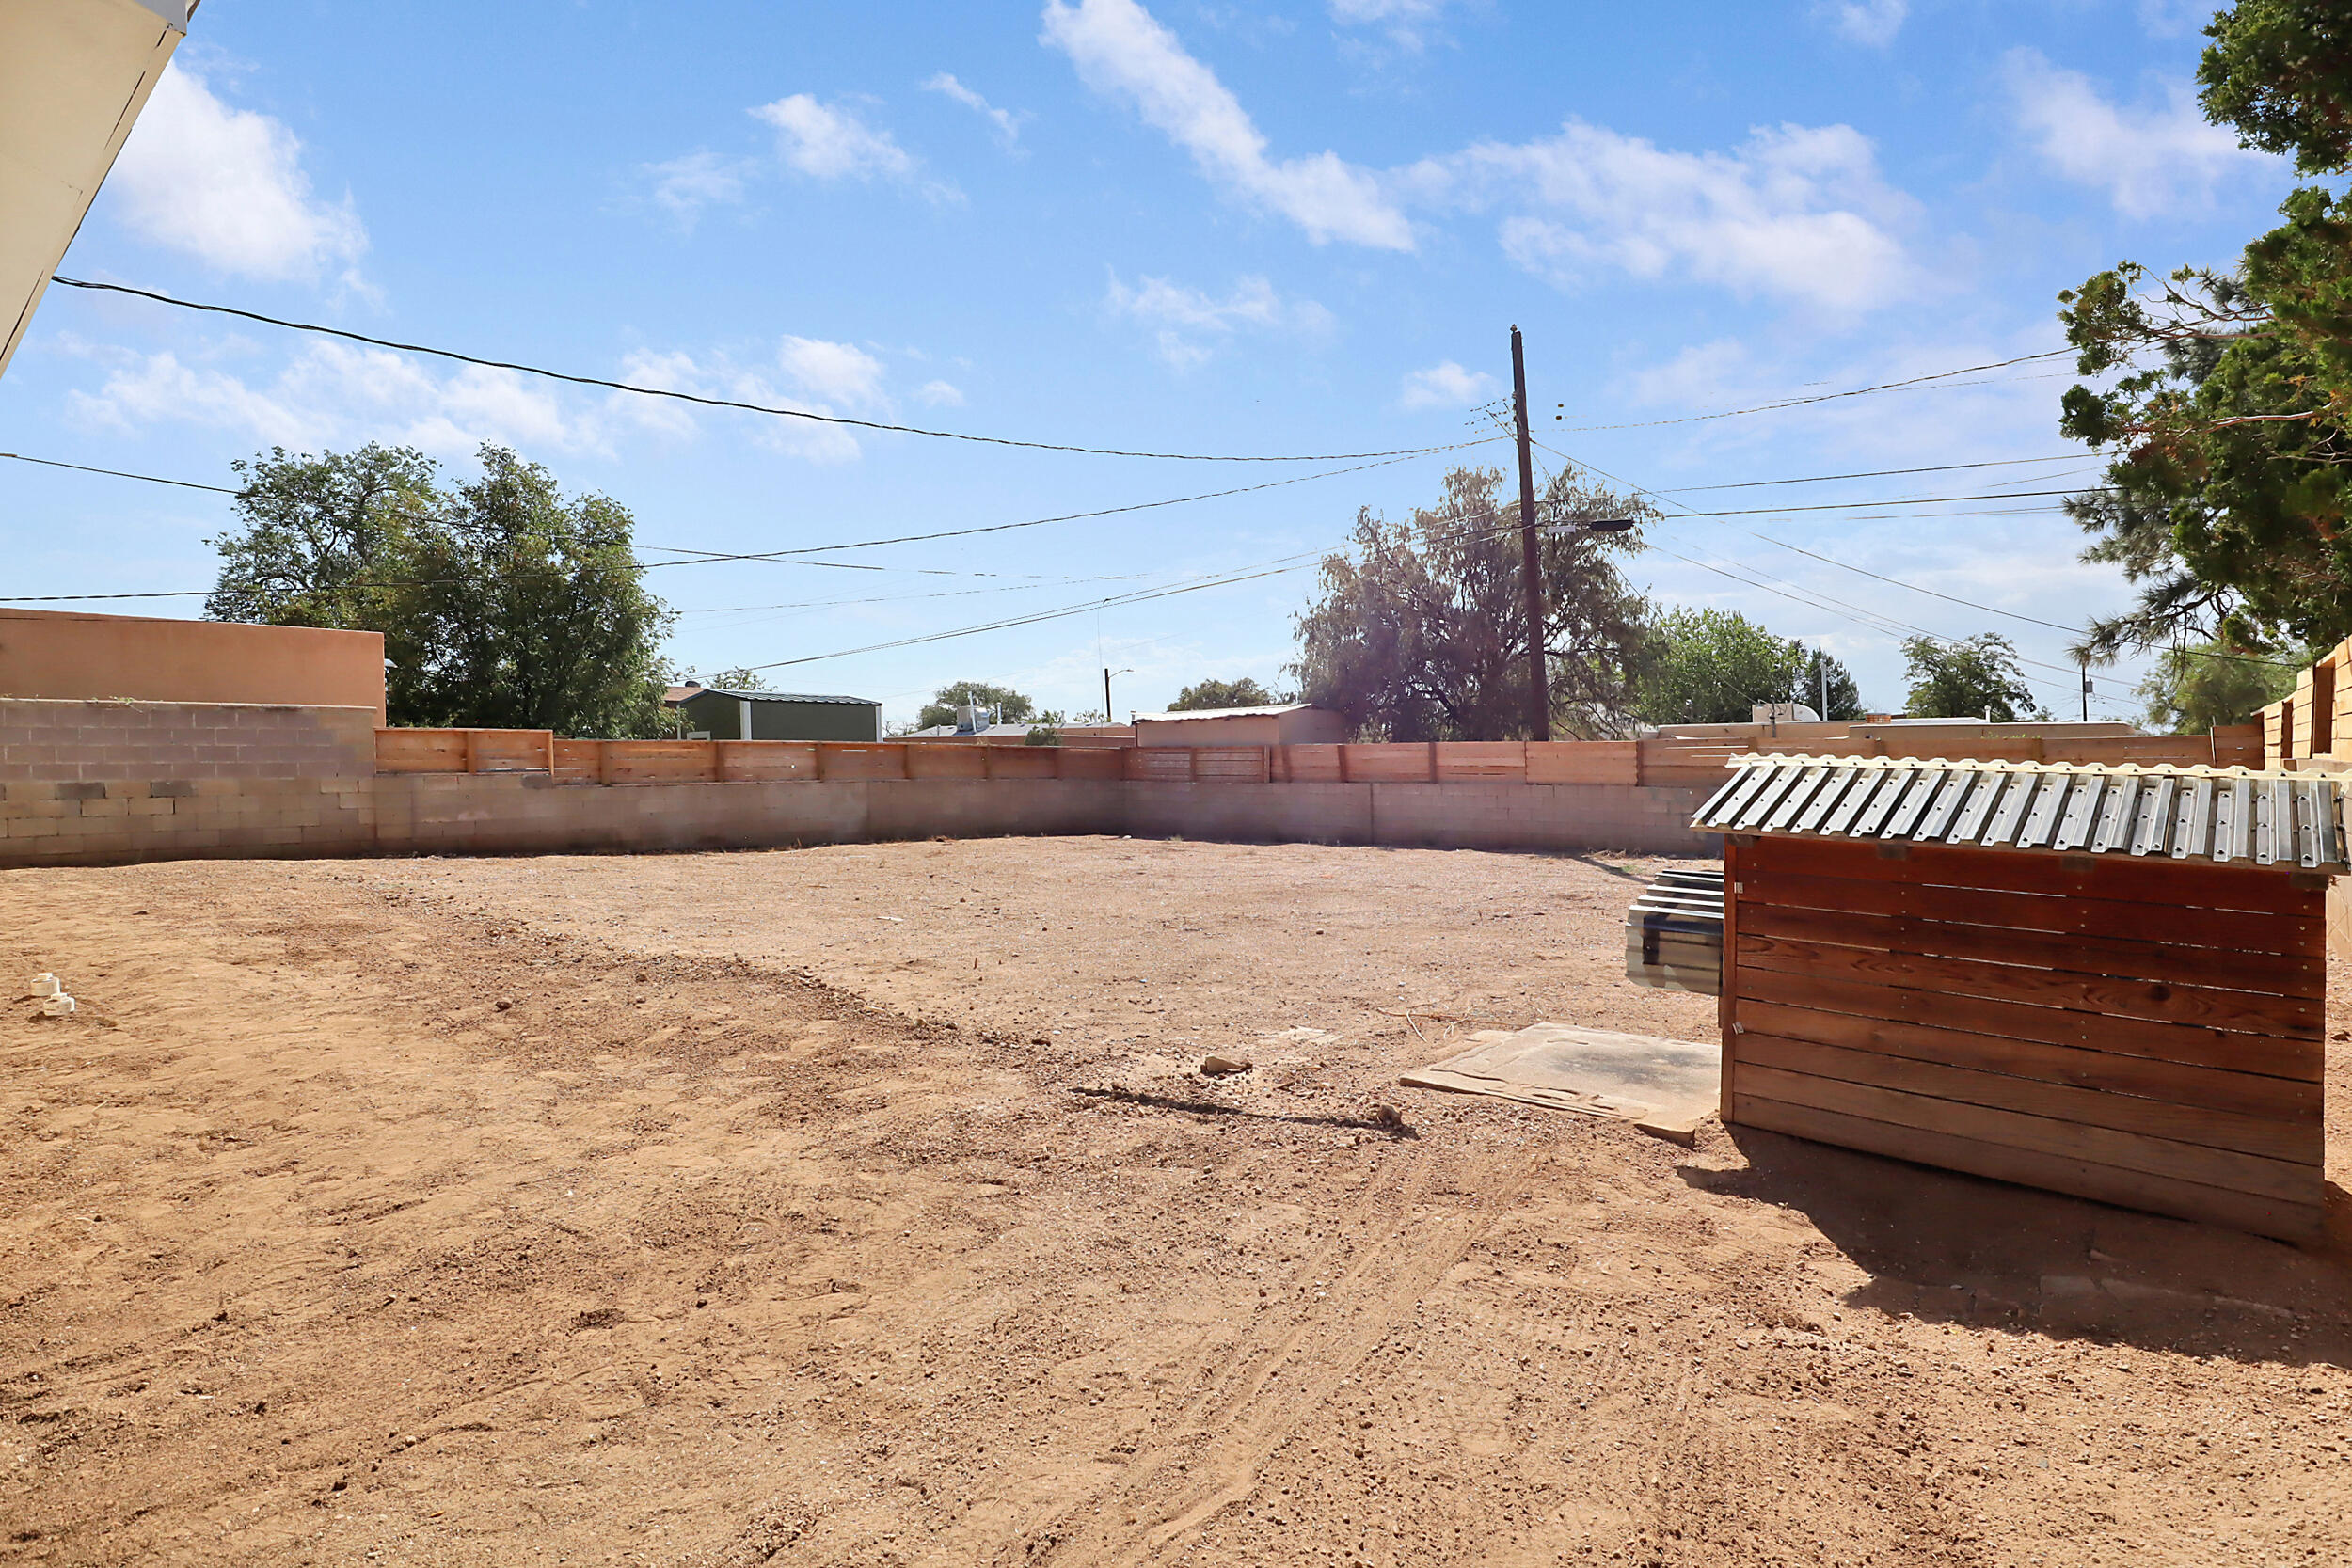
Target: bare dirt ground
(860,1206)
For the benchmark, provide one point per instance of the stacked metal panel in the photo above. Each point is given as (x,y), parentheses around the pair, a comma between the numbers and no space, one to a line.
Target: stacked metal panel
(2223,816)
(1674,933)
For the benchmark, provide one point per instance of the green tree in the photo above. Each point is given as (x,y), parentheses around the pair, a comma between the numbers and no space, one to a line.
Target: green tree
(2189,690)
(1712,667)
(1421,633)
(2227,416)
(1016,708)
(528,612)
(1245,692)
(324,541)
(501,605)
(1822,671)
(1975,678)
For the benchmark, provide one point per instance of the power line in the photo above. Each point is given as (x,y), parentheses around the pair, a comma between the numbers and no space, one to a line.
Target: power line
(792,557)
(1874,473)
(1823,397)
(780,412)
(706,556)
(117,473)
(1847,506)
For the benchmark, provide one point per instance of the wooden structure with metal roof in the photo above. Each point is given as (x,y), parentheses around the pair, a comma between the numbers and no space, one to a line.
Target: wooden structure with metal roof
(2103,981)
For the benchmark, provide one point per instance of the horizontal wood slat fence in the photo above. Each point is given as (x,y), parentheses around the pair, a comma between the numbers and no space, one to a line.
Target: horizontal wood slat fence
(1671,762)
(2149,1034)
(2315,725)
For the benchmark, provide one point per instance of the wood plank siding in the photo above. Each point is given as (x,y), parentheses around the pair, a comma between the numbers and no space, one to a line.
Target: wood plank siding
(2145,1033)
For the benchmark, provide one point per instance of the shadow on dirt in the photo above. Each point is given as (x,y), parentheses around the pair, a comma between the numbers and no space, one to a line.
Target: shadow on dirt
(1211,1108)
(1951,1248)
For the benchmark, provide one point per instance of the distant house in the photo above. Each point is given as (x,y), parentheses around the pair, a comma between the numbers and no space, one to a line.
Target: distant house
(1286,724)
(676,696)
(1087,736)
(714,713)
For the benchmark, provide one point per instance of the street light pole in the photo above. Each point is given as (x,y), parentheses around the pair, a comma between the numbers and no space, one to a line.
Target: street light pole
(1538,685)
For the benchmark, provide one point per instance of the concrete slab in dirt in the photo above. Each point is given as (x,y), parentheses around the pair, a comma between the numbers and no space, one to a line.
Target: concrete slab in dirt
(1661,1086)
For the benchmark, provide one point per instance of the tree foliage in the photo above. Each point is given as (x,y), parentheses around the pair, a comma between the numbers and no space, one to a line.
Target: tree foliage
(2230,470)
(1712,667)
(502,604)
(1973,677)
(1002,702)
(2190,690)
(1421,633)
(1245,692)
(1825,685)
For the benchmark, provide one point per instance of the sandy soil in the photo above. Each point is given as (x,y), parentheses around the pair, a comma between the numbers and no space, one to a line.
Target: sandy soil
(860,1206)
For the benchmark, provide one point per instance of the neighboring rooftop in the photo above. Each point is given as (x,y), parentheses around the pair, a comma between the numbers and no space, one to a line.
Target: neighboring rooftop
(781,696)
(1273,711)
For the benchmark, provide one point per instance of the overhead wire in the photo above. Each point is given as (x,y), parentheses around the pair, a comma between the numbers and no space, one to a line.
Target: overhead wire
(738,404)
(1821,397)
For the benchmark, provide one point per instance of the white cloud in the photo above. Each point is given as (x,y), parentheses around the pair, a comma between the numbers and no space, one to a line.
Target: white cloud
(226,186)
(1795,211)
(1871,22)
(2151,162)
(1184,317)
(940,394)
(831,142)
(335,392)
(1447,385)
(1405,20)
(686,185)
(1121,52)
(717,374)
(1008,123)
(838,372)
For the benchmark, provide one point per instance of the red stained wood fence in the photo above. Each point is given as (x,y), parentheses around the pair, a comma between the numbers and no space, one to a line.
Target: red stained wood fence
(2145,1033)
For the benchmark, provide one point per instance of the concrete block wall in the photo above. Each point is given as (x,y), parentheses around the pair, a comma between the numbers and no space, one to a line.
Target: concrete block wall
(231,779)
(109,822)
(47,740)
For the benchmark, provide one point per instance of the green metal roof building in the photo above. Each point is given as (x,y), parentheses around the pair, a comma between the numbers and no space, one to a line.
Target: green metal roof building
(723,715)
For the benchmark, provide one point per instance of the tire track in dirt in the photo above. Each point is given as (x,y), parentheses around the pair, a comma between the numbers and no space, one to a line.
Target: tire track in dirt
(1211,1456)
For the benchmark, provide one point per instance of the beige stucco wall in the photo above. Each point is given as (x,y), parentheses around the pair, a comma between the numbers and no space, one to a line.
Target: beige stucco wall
(70,653)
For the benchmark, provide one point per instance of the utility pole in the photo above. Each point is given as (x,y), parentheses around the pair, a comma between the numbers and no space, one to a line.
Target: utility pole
(2086,669)
(1538,682)
(1106,695)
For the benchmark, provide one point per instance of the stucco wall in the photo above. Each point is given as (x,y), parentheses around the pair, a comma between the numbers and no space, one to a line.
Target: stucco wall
(68,653)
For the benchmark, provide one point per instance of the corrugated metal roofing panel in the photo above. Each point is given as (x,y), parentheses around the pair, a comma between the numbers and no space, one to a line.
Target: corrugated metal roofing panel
(2228,816)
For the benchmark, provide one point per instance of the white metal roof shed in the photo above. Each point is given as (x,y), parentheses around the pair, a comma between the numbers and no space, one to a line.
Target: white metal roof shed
(74,76)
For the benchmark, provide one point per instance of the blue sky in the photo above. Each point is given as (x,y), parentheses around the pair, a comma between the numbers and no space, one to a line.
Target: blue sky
(1245,228)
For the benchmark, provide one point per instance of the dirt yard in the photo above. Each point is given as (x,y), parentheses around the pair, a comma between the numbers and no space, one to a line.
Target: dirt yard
(862,1206)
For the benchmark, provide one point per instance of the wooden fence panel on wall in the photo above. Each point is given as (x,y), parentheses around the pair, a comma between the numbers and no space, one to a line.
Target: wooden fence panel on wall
(1159,764)
(946,762)
(2148,1034)
(660,761)
(1481,761)
(765,761)
(1307,765)
(1020,762)
(577,762)
(1413,762)
(1092,762)
(847,760)
(420,750)
(1584,762)
(1229,764)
